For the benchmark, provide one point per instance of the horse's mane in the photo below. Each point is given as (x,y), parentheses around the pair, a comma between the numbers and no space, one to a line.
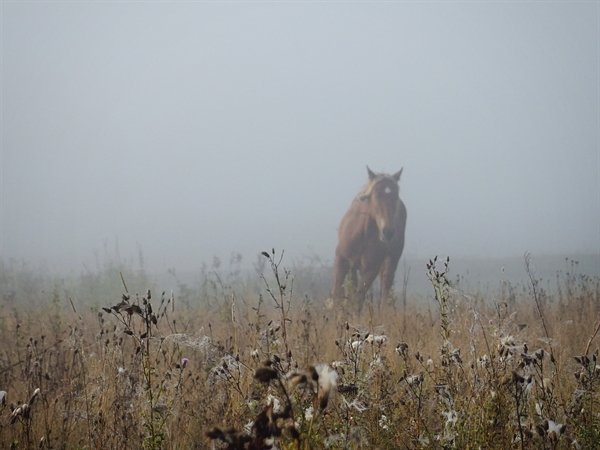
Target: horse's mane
(368,188)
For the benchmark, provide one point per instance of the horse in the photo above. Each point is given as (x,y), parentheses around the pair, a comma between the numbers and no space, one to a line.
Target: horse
(371,237)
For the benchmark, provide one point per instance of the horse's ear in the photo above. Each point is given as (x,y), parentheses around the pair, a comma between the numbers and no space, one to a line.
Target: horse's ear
(396,176)
(371,174)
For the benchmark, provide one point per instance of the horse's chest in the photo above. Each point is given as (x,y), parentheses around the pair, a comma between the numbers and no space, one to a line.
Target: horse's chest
(375,247)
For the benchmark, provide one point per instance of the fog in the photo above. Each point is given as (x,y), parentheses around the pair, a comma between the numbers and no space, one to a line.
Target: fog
(192,129)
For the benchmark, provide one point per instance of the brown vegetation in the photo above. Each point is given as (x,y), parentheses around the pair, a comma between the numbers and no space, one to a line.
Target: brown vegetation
(254,366)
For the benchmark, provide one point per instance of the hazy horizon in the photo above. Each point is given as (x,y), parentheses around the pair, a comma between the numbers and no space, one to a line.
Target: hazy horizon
(195,129)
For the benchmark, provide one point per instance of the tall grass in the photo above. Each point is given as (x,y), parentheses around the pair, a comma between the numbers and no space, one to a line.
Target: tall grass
(107,360)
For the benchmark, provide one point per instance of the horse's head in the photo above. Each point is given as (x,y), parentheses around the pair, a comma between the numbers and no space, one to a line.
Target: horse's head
(381,193)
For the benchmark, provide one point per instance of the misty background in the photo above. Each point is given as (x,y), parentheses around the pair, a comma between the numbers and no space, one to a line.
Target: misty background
(187,130)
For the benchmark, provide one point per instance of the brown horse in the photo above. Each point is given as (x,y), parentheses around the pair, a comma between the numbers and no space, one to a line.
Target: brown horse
(371,237)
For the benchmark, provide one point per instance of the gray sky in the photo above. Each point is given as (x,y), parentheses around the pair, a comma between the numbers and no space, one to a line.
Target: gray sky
(193,129)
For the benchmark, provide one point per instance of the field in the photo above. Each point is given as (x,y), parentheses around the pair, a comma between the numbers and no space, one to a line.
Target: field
(262,359)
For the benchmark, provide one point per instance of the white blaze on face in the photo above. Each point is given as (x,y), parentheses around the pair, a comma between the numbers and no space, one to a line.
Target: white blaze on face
(383,221)
(382,192)
(381,226)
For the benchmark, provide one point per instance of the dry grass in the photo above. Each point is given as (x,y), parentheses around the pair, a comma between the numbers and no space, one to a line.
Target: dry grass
(255,366)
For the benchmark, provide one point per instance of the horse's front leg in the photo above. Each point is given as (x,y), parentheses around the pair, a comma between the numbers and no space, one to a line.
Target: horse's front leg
(388,271)
(341,267)
(368,275)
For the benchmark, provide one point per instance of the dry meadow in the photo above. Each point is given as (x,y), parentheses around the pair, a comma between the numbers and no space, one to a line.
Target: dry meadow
(108,360)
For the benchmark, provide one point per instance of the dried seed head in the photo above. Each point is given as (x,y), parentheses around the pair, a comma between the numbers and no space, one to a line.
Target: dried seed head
(313,373)
(323,400)
(265,374)
(20,411)
(377,339)
(348,389)
(274,403)
(34,395)
(297,378)
(415,380)
(554,427)
(517,378)
(327,381)
(402,349)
